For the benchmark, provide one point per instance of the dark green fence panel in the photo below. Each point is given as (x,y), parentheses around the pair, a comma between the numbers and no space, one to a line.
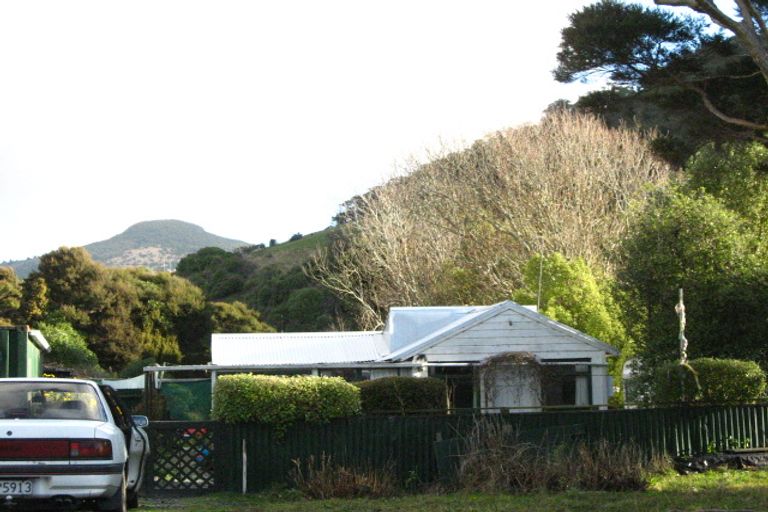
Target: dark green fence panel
(424,448)
(402,445)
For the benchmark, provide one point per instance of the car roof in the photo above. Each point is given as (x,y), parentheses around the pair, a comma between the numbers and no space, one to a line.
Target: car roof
(46,379)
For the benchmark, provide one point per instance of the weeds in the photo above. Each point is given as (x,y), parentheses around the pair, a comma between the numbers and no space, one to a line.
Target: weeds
(323,479)
(497,461)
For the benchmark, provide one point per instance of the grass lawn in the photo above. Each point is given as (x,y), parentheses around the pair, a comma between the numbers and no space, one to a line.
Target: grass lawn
(715,490)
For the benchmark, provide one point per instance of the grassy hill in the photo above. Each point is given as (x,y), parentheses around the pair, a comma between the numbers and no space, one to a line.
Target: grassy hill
(289,254)
(157,244)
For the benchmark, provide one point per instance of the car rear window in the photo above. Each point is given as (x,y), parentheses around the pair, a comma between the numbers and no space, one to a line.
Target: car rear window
(50,401)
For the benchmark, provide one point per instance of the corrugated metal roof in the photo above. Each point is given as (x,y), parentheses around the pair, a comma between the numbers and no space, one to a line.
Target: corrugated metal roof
(407,325)
(292,349)
(482,314)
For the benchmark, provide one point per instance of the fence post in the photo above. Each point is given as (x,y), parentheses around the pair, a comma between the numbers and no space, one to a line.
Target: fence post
(244,456)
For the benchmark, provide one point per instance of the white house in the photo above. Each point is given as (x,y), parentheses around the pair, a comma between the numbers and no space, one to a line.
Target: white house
(500,356)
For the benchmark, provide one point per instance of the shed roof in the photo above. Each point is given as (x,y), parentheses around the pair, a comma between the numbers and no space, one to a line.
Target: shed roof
(292,349)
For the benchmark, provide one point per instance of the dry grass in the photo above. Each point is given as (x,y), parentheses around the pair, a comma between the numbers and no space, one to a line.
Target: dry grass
(497,461)
(323,479)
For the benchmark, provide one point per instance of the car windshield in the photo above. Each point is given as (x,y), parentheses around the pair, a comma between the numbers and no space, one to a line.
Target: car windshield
(50,401)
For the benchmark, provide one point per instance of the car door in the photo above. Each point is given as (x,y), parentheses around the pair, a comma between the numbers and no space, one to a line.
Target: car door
(136,439)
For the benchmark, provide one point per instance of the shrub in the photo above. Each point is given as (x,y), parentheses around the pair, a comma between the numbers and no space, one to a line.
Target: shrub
(323,479)
(729,380)
(496,461)
(282,401)
(674,383)
(402,394)
(719,381)
(69,348)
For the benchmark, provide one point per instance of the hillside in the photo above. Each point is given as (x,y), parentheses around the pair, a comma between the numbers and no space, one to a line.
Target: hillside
(272,281)
(157,244)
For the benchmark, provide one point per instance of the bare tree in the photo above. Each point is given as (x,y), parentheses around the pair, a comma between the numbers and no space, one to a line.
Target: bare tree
(458,229)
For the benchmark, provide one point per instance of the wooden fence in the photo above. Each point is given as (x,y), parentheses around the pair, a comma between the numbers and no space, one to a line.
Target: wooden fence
(207,456)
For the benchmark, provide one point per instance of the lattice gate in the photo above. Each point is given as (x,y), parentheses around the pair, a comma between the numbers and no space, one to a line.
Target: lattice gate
(182,459)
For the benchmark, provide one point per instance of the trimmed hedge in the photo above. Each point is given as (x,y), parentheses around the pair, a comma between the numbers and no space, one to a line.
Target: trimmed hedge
(720,381)
(402,394)
(282,401)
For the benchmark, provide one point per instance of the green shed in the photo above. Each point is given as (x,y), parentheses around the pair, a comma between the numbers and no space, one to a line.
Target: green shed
(21,351)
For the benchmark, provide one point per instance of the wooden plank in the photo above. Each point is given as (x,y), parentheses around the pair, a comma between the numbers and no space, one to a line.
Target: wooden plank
(506,334)
(512,347)
(479,356)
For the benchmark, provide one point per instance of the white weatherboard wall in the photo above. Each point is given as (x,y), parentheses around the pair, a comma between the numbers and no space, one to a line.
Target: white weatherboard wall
(511,332)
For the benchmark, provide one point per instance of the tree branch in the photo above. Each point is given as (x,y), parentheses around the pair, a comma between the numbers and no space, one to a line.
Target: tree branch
(744,31)
(720,114)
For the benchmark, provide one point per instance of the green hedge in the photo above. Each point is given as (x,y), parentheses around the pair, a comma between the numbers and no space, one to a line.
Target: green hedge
(711,381)
(402,394)
(282,401)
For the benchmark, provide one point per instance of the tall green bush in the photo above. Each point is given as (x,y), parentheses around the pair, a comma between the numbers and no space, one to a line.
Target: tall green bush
(709,380)
(402,394)
(282,401)
(729,380)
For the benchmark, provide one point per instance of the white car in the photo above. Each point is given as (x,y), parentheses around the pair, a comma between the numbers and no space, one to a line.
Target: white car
(66,443)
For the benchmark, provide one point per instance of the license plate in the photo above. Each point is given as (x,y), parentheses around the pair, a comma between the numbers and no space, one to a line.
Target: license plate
(15,487)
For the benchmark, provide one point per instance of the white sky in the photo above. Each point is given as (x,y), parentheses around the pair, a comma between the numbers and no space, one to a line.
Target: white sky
(253,119)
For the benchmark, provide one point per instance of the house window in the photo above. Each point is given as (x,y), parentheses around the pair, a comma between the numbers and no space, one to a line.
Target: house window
(348,374)
(566,384)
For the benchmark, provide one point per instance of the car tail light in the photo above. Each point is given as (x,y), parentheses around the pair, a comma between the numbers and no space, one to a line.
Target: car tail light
(90,449)
(20,449)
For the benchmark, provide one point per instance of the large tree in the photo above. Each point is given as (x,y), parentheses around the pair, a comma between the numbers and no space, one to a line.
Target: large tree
(670,71)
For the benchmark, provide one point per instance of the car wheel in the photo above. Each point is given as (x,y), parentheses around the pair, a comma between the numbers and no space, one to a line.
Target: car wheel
(118,502)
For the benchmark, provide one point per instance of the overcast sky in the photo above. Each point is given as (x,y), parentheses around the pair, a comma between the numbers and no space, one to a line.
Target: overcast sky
(253,119)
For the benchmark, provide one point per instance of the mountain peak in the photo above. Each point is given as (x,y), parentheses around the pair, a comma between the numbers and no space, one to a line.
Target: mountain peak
(155,244)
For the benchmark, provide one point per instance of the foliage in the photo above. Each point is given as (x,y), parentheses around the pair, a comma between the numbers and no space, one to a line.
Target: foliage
(282,401)
(734,173)
(402,394)
(729,380)
(270,281)
(641,39)
(34,299)
(10,295)
(573,294)
(460,228)
(710,381)
(69,348)
(670,72)
(690,240)
(236,317)
(674,382)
